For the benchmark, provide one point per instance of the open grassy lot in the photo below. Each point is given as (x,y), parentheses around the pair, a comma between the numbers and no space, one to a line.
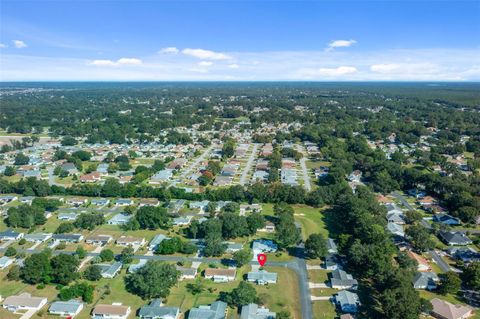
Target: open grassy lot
(323,309)
(311,219)
(318,275)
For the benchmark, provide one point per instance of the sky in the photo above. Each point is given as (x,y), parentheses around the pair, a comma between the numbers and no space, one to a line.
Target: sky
(248,40)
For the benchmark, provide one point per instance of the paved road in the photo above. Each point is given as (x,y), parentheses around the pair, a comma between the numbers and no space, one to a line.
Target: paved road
(306,177)
(248,167)
(298,265)
(402,199)
(192,166)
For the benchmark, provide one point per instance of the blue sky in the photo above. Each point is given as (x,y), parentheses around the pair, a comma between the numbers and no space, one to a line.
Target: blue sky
(245,40)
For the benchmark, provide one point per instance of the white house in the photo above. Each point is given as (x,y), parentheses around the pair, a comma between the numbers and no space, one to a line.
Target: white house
(24,301)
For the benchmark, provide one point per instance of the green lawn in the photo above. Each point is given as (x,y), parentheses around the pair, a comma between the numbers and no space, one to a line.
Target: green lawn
(318,275)
(323,309)
(311,219)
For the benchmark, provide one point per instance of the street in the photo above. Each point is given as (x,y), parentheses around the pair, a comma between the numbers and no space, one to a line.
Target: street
(248,167)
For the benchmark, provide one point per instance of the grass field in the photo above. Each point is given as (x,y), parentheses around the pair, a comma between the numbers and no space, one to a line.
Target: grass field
(311,220)
(318,275)
(323,309)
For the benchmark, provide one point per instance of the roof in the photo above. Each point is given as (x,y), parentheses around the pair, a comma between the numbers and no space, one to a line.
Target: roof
(25,300)
(455,238)
(110,270)
(216,310)
(448,310)
(262,275)
(220,272)
(345,297)
(111,309)
(253,311)
(342,278)
(70,306)
(155,309)
(425,279)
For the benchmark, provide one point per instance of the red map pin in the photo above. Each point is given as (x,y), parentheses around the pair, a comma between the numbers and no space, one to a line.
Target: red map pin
(262,259)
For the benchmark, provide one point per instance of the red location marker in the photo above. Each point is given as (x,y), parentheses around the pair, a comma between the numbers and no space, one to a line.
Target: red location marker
(262,259)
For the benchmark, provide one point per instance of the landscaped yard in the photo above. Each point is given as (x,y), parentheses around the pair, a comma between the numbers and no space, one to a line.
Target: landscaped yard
(323,309)
(318,275)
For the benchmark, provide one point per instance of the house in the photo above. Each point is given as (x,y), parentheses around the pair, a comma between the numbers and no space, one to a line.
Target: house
(422,263)
(425,280)
(90,178)
(465,254)
(426,201)
(220,274)
(155,310)
(5,262)
(5,199)
(254,311)
(330,262)
(24,301)
(113,311)
(70,217)
(342,280)
(149,202)
(110,270)
(355,176)
(217,310)
(331,246)
(10,235)
(233,247)
(77,201)
(161,176)
(454,238)
(445,310)
(123,202)
(69,308)
(268,228)
(70,168)
(100,201)
(27,200)
(175,205)
(38,237)
(347,301)
(186,273)
(446,219)
(98,240)
(396,229)
(200,205)
(119,219)
(68,238)
(127,241)
(264,246)
(135,267)
(102,168)
(182,221)
(262,277)
(250,209)
(156,241)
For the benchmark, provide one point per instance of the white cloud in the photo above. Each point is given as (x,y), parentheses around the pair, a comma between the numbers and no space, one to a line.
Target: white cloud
(169,50)
(234,66)
(3,45)
(384,68)
(328,72)
(119,62)
(424,68)
(341,44)
(19,44)
(206,54)
(205,63)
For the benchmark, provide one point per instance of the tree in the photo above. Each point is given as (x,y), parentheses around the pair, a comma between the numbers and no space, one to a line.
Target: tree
(107,255)
(37,269)
(316,246)
(255,221)
(126,256)
(10,252)
(64,268)
(89,221)
(169,246)
(244,294)
(471,275)
(152,218)
(93,273)
(14,273)
(68,141)
(25,216)
(287,233)
(283,315)
(9,171)
(420,238)
(64,228)
(153,280)
(450,283)
(80,252)
(242,257)
(197,287)
(21,159)
(83,290)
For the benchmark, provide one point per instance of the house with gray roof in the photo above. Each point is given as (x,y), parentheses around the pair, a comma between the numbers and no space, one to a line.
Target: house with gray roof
(69,238)
(100,201)
(69,308)
(342,280)
(5,262)
(425,280)
(262,277)
(110,270)
(186,272)
(156,241)
(347,301)
(453,238)
(396,229)
(23,302)
(10,235)
(155,310)
(123,202)
(38,237)
(119,219)
(71,216)
(217,310)
(254,311)
(331,246)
